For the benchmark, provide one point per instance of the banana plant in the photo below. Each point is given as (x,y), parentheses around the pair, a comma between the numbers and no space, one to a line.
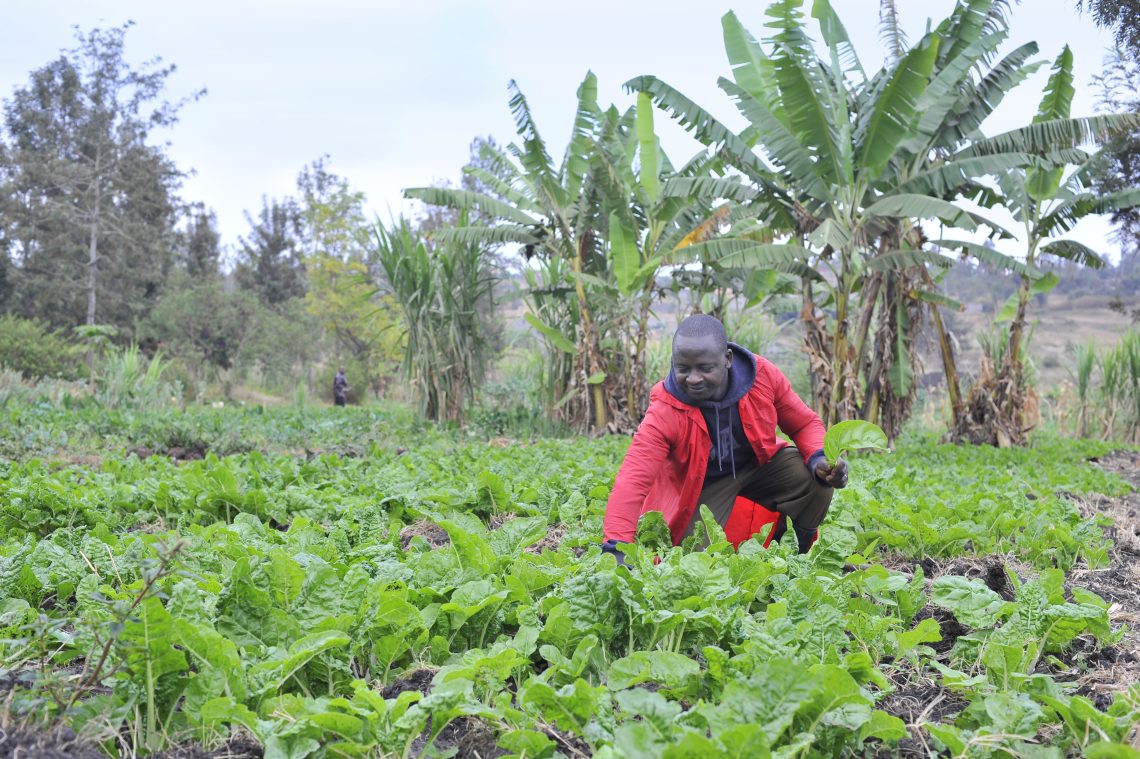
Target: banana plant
(549,210)
(847,166)
(1047,198)
(654,213)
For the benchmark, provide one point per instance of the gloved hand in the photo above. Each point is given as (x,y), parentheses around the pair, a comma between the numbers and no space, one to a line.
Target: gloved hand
(610,546)
(832,476)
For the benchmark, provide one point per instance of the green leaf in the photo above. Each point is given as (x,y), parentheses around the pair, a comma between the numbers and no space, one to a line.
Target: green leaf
(1043,183)
(516,534)
(1043,284)
(902,259)
(268,676)
(626,257)
(596,378)
(653,533)
(1102,750)
(907,206)
(672,670)
(647,148)
(469,200)
(555,337)
(886,727)
(926,631)
(852,435)
(1071,250)
(971,602)
(991,257)
(894,111)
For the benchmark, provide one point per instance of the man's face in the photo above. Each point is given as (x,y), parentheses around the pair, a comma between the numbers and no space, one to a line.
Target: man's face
(701,367)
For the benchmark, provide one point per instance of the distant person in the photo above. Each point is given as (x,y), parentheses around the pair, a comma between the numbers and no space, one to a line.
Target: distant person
(709,436)
(340,388)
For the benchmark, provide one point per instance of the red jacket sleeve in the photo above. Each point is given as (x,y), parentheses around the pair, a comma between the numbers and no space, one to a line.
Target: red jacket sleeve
(640,469)
(794,416)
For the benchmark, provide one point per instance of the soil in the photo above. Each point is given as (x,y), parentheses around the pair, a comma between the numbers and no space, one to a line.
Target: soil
(417,680)
(554,537)
(1101,673)
(59,743)
(471,738)
(239,746)
(915,701)
(951,629)
(431,532)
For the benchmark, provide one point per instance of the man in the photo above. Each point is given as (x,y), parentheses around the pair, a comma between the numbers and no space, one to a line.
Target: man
(340,388)
(709,436)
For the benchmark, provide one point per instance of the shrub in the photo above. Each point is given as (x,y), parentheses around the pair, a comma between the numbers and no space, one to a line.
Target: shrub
(31,348)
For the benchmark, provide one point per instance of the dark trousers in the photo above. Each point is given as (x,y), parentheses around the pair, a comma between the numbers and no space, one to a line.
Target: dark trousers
(339,400)
(783,484)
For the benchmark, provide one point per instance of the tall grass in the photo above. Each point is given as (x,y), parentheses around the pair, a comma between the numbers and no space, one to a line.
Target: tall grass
(1085,363)
(442,289)
(128,379)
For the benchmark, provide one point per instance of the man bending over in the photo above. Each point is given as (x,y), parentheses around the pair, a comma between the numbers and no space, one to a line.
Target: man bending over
(709,436)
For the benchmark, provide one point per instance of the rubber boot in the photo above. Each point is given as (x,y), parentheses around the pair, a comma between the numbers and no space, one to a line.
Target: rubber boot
(805,536)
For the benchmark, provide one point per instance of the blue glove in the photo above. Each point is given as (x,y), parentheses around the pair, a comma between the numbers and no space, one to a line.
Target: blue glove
(610,546)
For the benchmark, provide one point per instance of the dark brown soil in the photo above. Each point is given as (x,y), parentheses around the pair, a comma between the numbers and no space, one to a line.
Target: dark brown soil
(240,746)
(471,738)
(32,743)
(417,680)
(431,532)
(919,701)
(951,629)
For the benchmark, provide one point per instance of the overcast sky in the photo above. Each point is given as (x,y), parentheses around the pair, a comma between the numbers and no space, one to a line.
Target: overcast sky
(394,92)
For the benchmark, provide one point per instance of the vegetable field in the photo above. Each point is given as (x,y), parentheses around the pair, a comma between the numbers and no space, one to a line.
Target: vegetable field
(353,584)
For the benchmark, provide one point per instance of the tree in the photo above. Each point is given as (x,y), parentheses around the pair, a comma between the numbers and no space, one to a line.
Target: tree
(199,245)
(1122,16)
(270,261)
(202,324)
(89,201)
(363,322)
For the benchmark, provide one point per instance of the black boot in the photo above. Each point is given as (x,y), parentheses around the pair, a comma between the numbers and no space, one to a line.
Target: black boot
(805,536)
(780,528)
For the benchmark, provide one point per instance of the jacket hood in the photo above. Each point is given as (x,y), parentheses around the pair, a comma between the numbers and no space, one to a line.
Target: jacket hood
(741,376)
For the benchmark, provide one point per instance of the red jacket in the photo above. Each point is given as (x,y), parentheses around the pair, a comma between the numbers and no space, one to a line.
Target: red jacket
(664,469)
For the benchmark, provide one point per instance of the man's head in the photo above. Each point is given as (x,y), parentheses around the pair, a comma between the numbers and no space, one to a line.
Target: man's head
(342,370)
(701,358)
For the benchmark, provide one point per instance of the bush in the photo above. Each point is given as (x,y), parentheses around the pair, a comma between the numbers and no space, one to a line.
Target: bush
(31,348)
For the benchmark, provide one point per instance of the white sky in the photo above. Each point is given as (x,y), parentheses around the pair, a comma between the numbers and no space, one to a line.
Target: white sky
(394,92)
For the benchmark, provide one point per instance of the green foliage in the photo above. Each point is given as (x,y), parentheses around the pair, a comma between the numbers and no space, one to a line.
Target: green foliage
(31,348)
(304,592)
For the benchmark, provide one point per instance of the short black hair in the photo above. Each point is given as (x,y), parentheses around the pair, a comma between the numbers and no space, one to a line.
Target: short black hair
(703,325)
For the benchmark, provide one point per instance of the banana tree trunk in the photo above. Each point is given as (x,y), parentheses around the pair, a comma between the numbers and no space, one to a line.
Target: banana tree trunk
(949,363)
(839,408)
(591,355)
(872,295)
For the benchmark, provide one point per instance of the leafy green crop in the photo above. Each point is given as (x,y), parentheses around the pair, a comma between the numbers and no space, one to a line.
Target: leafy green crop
(357,603)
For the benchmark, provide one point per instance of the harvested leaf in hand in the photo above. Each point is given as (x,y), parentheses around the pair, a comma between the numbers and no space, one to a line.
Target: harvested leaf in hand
(852,435)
